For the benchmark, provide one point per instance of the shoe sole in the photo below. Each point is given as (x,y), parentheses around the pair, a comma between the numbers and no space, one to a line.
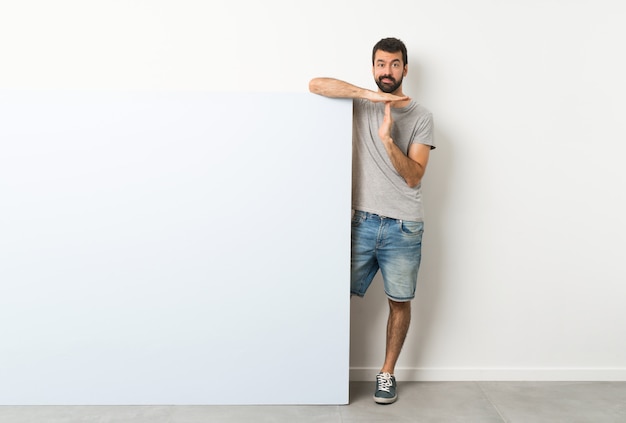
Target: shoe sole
(385,400)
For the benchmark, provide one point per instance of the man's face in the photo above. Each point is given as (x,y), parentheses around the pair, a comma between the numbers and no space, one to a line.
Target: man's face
(388,70)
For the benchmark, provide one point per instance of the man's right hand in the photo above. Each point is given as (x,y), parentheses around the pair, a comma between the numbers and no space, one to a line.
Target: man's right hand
(381,97)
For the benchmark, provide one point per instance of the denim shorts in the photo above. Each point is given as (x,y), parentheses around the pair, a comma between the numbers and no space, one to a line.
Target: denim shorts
(394,246)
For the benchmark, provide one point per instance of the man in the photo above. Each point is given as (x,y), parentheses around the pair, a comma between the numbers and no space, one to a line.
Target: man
(392,139)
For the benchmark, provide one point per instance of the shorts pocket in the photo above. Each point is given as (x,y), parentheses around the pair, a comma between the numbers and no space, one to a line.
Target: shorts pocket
(412,228)
(357,218)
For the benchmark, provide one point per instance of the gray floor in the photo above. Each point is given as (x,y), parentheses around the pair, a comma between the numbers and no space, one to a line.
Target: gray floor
(527,402)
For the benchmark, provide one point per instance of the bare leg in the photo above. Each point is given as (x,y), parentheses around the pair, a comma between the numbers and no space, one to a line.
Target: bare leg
(397,328)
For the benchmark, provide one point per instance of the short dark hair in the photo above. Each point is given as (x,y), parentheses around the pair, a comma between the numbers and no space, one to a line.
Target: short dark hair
(390,45)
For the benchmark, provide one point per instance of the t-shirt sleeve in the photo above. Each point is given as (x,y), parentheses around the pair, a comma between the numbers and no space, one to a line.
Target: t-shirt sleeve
(424,130)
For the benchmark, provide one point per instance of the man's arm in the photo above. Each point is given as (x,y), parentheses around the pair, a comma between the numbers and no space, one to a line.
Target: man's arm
(335,88)
(411,167)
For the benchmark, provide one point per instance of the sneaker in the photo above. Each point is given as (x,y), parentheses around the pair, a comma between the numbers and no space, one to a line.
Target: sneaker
(385,389)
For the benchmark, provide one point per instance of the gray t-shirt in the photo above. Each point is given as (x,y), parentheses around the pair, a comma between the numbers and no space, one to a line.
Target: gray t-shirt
(376,185)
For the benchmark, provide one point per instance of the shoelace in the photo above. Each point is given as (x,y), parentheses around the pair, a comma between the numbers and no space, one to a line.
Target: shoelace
(384,381)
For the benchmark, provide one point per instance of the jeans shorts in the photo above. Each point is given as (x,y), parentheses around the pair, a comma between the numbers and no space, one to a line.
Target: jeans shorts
(394,246)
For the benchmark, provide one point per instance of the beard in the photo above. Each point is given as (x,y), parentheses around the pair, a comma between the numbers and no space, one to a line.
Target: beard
(388,87)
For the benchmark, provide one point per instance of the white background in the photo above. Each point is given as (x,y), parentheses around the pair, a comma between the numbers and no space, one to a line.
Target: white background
(523,274)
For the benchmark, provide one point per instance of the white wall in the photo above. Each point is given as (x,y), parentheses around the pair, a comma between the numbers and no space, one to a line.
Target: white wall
(522,275)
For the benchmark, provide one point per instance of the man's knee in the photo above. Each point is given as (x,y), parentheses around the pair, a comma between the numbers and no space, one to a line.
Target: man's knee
(399,306)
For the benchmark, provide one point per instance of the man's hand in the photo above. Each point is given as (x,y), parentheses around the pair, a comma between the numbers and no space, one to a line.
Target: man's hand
(384,132)
(380,97)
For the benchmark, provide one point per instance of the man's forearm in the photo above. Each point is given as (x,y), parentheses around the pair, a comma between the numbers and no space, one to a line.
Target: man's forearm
(410,170)
(335,88)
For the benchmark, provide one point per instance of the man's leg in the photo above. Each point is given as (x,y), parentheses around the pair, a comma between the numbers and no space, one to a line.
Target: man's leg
(397,327)
(399,260)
